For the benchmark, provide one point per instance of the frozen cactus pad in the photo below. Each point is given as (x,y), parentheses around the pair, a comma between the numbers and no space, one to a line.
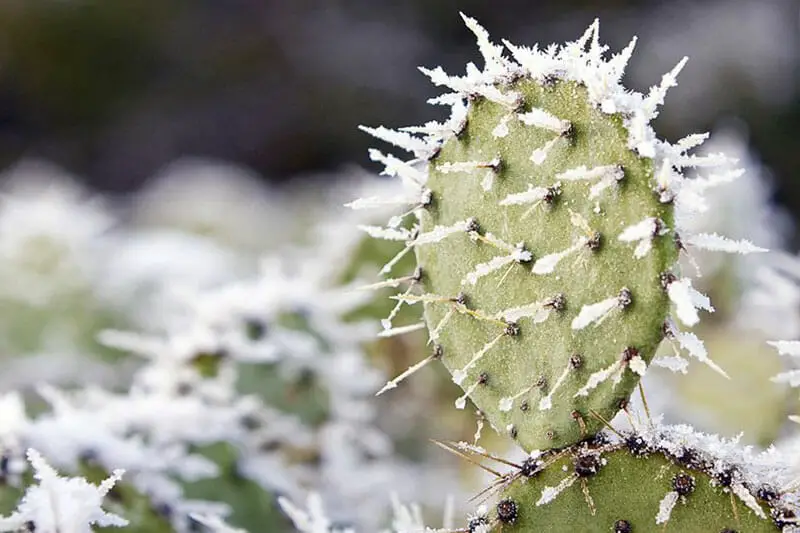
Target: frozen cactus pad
(545,237)
(533,379)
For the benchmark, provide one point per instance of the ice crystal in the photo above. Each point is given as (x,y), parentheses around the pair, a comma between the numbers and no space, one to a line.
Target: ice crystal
(58,504)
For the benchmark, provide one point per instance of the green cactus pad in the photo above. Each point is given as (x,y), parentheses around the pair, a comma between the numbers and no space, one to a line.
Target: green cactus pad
(619,491)
(546,238)
(537,359)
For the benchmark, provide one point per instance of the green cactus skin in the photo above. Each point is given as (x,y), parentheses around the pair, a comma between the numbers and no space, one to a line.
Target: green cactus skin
(617,489)
(536,359)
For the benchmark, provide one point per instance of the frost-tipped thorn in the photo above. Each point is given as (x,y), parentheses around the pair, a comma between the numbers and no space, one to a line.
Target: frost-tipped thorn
(435,355)
(495,165)
(534,196)
(574,362)
(516,254)
(629,359)
(686,298)
(461,401)
(539,118)
(604,177)
(597,313)
(643,233)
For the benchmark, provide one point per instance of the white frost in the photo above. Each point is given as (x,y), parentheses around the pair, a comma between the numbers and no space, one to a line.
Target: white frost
(642,232)
(687,301)
(542,119)
(594,312)
(532,195)
(68,505)
(550,493)
(718,243)
(440,232)
(548,263)
(539,155)
(666,506)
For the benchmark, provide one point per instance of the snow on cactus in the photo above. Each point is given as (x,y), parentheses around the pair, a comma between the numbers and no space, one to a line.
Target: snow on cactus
(653,478)
(545,235)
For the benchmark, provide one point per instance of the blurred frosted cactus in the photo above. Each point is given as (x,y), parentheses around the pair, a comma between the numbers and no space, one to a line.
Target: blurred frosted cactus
(55,238)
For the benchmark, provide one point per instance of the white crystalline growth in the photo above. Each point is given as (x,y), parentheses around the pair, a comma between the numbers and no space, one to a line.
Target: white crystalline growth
(665,507)
(594,313)
(548,263)
(532,195)
(551,493)
(718,243)
(693,345)
(643,234)
(401,139)
(440,232)
(57,504)
(687,301)
(754,468)
(540,118)
(605,176)
(791,348)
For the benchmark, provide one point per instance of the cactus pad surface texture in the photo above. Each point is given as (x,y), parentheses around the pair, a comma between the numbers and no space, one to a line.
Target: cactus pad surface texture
(544,234)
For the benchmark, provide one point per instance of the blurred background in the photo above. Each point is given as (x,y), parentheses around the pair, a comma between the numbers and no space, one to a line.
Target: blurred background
(113,91)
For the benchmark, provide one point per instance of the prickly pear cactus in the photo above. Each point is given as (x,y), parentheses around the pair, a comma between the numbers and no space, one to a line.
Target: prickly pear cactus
(652,477)
(629,488)
(545,243)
